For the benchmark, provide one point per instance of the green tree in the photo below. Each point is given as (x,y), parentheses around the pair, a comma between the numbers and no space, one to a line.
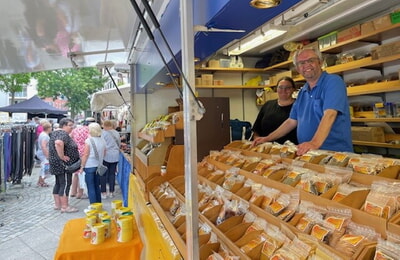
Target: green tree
(11,83)
(76,85)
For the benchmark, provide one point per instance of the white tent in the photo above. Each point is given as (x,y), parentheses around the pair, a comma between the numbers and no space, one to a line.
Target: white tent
(109,97)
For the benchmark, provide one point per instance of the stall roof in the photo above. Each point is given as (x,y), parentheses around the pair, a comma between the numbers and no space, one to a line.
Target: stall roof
(109,97)
(46,34)
(34,105)
(53,34)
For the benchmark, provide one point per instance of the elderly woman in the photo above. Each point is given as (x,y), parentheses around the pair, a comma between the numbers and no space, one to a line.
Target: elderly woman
(62,151)
(93,155)
(43,153)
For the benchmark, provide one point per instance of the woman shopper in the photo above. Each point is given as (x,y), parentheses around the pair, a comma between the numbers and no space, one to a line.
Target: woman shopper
(274,112)
(113,142)
(93,154)
(43,153)
(62,151)
(79,135)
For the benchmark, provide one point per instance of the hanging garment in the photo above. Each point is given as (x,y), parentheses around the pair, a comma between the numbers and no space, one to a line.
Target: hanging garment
(7,151)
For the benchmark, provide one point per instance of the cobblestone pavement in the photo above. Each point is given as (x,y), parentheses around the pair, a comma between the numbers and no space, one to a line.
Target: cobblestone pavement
(29,226)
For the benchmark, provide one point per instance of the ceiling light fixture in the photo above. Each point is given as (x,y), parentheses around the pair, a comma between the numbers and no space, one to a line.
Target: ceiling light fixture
(263,4)
(260,37)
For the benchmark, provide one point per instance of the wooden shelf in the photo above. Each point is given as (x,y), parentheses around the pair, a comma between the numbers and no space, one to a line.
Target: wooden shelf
(372,88)
(256,70)
(283,65)
(157,138)
(388,120)
(361,63)
(376,144)
(369,37)
(223,87)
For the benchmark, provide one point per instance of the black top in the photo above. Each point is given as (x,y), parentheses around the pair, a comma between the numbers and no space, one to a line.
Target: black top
(70,149)
(270,117)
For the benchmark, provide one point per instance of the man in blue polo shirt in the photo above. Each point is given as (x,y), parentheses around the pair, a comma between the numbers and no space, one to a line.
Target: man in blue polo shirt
(321,111)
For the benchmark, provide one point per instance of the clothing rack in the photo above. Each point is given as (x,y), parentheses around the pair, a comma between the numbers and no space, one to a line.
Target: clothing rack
(17,152)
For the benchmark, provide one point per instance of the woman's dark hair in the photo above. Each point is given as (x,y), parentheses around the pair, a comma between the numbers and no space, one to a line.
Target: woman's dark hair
(65,121)
(287,79)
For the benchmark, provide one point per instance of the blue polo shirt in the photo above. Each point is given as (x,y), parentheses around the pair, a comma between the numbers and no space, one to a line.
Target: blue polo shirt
(329,93)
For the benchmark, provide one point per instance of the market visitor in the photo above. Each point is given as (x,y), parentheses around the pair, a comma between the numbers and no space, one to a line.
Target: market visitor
(79,135)
(89,161)
(113,142)
(62,151)
(42,154)
(321,110)
(274,112)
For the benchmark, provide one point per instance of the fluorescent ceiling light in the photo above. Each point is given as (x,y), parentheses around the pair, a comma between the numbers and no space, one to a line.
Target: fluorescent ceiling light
(256,41)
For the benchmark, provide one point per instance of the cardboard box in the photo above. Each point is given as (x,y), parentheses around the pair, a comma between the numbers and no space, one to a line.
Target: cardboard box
(198,81)
(382,22)
(218,82)
(369,134)
(349,33)
(272,80)
(213,64)
(280,75)
(224,63)
(367,28)
(207,79)
(395,17)
(385,50)
(327,40)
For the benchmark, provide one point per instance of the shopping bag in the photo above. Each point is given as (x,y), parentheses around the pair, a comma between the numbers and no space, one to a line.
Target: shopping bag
(101,169)
(73,167)
(81,177)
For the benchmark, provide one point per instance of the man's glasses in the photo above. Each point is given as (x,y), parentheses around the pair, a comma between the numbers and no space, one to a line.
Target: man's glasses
(309,61)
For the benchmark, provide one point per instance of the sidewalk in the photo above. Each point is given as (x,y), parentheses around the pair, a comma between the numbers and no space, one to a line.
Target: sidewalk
(29,227)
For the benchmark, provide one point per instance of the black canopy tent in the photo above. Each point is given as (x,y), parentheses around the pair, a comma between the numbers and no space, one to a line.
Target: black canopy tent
(35,107)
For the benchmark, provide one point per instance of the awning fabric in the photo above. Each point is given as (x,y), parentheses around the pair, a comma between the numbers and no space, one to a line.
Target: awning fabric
(34,105)
(109,97)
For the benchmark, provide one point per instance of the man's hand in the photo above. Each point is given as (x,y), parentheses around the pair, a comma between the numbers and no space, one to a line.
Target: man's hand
(305,147)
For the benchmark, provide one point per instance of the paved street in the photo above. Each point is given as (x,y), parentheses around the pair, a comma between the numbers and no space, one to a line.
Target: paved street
(29,227)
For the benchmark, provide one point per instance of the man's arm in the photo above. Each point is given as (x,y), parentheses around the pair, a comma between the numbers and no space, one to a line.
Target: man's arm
(321,134)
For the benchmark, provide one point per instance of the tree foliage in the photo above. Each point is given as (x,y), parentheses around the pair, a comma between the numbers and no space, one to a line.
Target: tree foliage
(12,83)
(76,85)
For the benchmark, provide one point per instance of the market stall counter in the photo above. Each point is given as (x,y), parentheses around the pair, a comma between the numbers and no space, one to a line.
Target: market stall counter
(73,246)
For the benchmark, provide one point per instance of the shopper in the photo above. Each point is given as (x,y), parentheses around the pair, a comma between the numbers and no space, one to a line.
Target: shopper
(62,151)
(89,161)
(274,112)
(42,154)
(321,111)
(113,142)
(79,135)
